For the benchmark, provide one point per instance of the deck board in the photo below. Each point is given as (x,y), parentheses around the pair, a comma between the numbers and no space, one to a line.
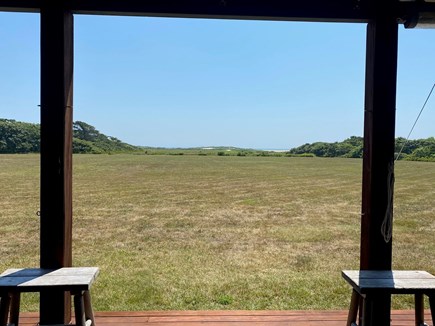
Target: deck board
(231,318)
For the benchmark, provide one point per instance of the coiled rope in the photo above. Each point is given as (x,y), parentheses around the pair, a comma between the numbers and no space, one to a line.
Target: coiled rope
(387,223)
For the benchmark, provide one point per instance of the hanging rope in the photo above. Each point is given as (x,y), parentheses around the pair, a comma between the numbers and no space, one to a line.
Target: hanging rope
(387,223)
(418,117)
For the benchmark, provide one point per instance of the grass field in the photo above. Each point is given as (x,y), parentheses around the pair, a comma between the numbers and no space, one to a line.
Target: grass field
(217,232)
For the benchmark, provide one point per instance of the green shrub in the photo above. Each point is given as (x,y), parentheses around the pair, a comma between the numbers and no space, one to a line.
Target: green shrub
(307,155)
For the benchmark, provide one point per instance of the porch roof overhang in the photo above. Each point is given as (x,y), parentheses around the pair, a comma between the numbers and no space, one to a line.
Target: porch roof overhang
(350,11)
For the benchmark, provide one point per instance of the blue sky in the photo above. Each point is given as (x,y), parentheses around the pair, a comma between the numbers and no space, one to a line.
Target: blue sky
(193,82)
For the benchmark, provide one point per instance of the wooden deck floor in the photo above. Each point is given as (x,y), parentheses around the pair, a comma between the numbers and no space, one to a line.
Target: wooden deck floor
(230,318)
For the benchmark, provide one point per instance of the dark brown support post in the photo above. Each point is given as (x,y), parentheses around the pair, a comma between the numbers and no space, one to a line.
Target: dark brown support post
(378,161)
(56,153)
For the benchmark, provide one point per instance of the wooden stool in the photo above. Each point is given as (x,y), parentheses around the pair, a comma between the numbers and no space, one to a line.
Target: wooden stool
(418,283)
(76,280)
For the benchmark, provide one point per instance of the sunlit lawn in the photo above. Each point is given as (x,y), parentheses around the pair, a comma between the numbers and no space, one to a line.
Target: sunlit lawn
(217,232)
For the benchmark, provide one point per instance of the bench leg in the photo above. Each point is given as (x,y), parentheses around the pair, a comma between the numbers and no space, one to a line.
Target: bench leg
(432,307)
(5,303)
(361,309)
(353,310)
(15,308)
(79,309)
(419,309)
(89,313)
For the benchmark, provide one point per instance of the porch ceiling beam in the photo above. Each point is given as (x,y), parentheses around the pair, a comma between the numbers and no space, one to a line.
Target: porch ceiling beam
(314,10)
(20,5)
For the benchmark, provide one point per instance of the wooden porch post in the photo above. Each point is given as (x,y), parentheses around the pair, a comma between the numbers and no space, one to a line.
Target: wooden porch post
(378,161)
(56,153)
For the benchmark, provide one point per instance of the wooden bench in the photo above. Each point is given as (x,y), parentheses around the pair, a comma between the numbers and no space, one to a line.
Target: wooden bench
(76,280)
(372,283)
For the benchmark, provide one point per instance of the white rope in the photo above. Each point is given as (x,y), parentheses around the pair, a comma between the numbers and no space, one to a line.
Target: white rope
(416,120)
(387,223)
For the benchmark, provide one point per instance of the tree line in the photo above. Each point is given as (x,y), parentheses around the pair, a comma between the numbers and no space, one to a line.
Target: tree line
(23,137)
(412,150)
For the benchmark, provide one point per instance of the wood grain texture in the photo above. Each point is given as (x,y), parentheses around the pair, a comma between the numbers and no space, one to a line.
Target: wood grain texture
(393,282)
(229,318)
(365,274)
(377,286)
(379,141)
(378,156)
(75,280)
(56,137)
(57,57)
(34,280)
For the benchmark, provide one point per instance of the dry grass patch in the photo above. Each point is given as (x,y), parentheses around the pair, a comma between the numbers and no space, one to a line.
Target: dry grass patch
(204,232)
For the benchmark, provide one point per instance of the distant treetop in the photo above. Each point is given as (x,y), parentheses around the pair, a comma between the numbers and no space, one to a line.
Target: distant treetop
(24,137)
(413,150)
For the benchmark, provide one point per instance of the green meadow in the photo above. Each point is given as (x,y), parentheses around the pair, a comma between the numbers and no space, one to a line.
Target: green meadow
(173,232)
